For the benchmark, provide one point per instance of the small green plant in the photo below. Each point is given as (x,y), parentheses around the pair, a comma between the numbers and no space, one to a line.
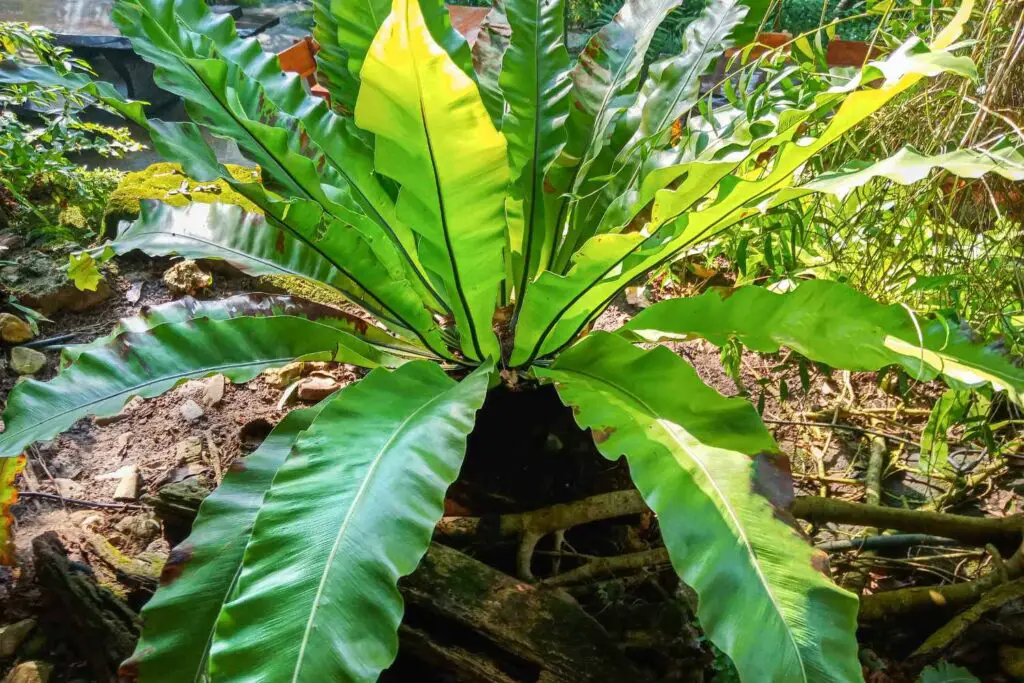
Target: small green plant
(48,194)
(483,217)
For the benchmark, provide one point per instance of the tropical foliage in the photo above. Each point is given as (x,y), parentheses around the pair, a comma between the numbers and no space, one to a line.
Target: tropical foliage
(483,207)
(41,189)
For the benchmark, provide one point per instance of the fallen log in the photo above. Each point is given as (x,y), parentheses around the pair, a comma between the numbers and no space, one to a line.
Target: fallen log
(541,633)
(98,625)
(475,623)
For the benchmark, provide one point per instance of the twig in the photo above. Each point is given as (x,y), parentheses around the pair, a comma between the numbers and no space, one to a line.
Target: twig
(919,599)
(973,530)
(611,565)
(798,423)
(81,503)
(37,458)
(214,455)
(884,542)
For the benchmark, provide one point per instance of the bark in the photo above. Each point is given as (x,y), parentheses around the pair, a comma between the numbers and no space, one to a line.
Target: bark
(97,624)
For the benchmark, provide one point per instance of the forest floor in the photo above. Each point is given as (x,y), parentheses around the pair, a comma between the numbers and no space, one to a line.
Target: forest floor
(831,426)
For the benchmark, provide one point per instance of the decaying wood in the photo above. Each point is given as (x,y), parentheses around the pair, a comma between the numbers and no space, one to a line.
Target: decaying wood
(99,626)
(547,520)
(956,627)
(536,629)
(923,600)
(608,566)
(474,620)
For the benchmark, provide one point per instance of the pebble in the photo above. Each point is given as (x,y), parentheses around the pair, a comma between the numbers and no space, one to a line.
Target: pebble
(191,411)
(189,450)
(26,361)
(186,277)
(12,635)
(30,672)
(317,388)
(214,390)
(13,329)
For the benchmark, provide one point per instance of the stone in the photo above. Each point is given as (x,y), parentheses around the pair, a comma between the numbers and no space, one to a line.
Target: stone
(40,282)
(68,488)
(186,277)
(162,181)
(128,487)
(12,636)
(189,450)
(142,527)
(213,391)
(313,389)
(134,293)
(26,361)
(191,411)
(279,378)
(1011,658)
(30,672)
(13,329)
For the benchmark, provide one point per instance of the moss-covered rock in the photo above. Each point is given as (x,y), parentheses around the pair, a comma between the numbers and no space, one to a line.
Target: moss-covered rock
(163,181)
(40,281)
(168,183)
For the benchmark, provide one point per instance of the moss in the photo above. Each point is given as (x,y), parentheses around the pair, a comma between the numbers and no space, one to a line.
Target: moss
(307,289)
(163,181)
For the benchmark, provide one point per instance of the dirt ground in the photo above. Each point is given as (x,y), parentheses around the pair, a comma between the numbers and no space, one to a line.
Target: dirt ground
(801,407)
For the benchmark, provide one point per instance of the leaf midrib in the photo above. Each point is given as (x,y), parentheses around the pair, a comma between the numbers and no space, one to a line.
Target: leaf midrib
(356,501)
(732,515)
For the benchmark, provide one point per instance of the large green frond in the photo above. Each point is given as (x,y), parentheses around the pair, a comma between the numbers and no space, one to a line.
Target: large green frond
(349,513)
(604,84)
(377,347)
(321,252)
(535,82)
(834,324)
(425,113)
(331,61)
(558,307)
(672,88)
(201,572)
(149,363)
(697,459)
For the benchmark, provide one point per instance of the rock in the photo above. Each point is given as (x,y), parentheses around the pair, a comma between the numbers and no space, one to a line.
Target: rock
(142,527)
(186,277)
(68,488)
(191,411)
(26,361)
(1011,658)
(134,293)
(119,473)
(314,389)
(189,450)
(30,672)
(162,182)
(13,329)
(40,282)
(12,635)
(128,487)
(279,378)
(213,391)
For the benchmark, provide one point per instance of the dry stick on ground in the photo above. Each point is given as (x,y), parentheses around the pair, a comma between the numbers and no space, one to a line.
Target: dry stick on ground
(974,530)
(852,428)
(877,457)
(81,503)
(922,599)
(534,525)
